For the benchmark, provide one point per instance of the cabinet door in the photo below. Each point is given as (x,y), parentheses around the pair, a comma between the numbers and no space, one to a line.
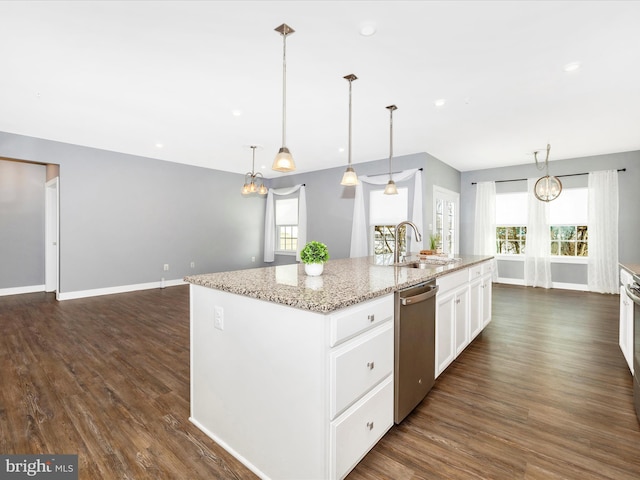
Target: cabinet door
(462,319)
(476,310)
(445,323)
(487,287)
(626,327)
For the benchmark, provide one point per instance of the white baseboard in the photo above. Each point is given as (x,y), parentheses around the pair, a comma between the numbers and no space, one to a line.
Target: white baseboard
(563,286)
(120,289)
(20,290)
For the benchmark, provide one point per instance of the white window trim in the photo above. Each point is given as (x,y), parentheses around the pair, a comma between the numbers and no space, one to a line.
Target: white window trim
(554,258)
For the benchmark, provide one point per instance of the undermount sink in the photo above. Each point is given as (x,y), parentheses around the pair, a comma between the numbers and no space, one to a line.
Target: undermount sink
(430,262)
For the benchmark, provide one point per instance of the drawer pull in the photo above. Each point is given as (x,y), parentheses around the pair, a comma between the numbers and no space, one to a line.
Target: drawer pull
(370,425)
(371,365)
(457,301)
(371,317)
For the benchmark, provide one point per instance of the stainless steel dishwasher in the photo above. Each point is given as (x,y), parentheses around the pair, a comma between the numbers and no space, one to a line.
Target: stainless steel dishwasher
(415,332)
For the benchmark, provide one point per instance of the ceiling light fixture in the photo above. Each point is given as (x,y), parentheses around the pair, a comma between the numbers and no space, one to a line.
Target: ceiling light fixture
(547,188)
(284,161)
(440,102)
(254,181)
(350,178)
(367,29)
(571,67)
(391,188)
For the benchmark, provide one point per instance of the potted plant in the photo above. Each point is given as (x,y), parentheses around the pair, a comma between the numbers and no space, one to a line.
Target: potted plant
(314,255)
(434,241)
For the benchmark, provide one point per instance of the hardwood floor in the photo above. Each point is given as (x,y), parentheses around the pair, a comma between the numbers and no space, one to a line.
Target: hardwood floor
(543,393)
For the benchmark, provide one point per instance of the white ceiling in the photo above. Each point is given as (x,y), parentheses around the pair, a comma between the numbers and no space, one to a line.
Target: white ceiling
(125,76)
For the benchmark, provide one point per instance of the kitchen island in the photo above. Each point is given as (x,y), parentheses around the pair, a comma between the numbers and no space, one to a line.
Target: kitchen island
(293,374)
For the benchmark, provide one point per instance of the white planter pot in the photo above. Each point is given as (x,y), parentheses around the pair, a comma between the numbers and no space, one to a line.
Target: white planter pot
(313,269)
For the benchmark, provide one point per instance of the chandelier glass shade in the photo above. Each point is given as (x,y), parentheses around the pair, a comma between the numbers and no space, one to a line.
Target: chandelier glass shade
(391,188)
(284,161)
(350,178)
(254,181)
(547,188)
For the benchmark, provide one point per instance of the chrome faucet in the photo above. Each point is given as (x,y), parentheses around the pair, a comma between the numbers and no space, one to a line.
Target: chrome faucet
(396,250)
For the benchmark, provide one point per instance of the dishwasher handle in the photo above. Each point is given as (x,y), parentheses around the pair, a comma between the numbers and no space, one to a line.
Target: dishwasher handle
(421,297)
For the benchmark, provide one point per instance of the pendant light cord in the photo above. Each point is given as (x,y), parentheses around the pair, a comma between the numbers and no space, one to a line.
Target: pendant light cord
(284,87)
(350,122)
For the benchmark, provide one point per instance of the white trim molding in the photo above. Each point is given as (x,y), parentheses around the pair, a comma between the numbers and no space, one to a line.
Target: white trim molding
(21,290)
(120,289)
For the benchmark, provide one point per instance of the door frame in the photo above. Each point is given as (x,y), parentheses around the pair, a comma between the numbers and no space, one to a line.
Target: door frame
(52,236)
(449,196)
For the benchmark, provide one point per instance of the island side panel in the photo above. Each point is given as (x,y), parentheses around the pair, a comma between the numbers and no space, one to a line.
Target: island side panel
(259,386)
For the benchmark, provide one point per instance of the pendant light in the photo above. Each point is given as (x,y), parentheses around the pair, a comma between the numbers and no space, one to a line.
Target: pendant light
(254,181)
(391,189)
(547,188)
(284,161)
(350,178)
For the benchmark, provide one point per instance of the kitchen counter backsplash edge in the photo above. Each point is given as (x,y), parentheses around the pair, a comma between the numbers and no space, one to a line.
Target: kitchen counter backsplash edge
(344,282)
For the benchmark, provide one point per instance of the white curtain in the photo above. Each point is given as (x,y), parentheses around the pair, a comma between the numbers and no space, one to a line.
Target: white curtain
(537,254)
(359,229)
(270,221)
(602,225)
(484,230)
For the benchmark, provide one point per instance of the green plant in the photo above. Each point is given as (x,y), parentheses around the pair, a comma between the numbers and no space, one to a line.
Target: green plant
(434,241)
(314,252)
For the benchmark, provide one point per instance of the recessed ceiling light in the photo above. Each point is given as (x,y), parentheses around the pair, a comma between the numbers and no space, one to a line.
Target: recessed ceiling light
(367,29)
(440,102)
(571,67)
(237,112)
(341,149)
(159,145)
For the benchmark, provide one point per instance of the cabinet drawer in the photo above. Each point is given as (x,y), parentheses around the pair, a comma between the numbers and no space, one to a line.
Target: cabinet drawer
(357,366)
(452,280)
(348,322)
(475,272)
(359,429)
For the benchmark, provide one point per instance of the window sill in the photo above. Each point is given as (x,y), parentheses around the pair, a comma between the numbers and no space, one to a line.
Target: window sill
(285,253)
(554,259)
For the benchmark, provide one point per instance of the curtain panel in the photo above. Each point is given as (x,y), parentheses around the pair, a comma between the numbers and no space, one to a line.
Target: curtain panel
(537,254)
(270,220)
(359,228)
(602,225)
(484,230)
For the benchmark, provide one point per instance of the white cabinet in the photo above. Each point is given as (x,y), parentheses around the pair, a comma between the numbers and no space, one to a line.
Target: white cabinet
(452,317)
(626,320)
(463,309)
(292,393)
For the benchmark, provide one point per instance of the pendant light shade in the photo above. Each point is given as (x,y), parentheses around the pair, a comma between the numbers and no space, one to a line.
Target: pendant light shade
(253,181)
(284,161)
(391,188)
(350,178)
(547,188)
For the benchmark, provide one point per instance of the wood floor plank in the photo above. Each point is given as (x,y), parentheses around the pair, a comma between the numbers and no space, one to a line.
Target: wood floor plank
(543,393)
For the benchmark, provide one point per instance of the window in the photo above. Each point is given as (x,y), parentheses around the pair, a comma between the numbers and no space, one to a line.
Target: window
(286,225)
(567,215)
(385,212)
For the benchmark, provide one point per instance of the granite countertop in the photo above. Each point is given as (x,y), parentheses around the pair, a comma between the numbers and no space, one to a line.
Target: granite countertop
(344,282)
(633,268)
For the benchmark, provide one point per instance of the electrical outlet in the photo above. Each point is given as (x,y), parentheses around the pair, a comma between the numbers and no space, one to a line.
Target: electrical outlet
(218,318)
(193,264)
(166,267)
(253,259)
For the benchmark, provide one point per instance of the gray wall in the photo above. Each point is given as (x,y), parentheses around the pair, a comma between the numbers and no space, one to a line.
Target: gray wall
(21,224)
(123,217)
(330,205)
(629,189)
